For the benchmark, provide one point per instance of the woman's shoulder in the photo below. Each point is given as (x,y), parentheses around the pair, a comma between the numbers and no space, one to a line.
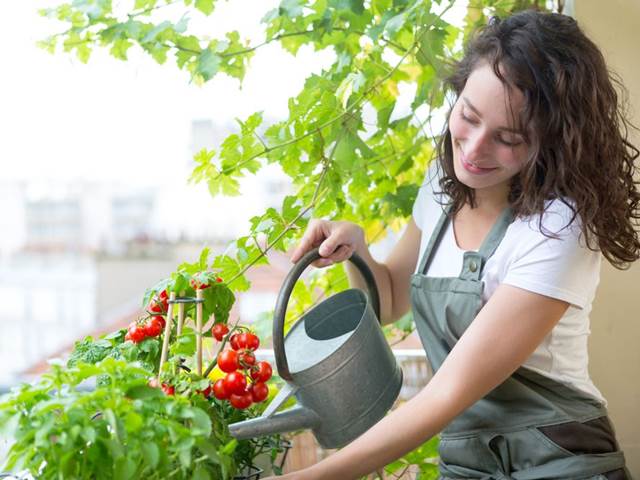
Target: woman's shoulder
(431,182)
(430,201)
(559,218)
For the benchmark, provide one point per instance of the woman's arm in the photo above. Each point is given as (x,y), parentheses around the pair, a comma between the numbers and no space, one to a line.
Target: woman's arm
(393,277)
(502,336)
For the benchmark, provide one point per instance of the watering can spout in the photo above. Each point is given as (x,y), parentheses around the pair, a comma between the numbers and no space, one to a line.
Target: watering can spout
(296,418)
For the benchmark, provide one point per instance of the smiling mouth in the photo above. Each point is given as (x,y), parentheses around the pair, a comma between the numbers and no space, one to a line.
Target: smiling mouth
(470,167)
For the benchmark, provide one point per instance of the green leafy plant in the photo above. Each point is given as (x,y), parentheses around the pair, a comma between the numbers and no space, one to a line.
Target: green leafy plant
(120,429)
(115,411)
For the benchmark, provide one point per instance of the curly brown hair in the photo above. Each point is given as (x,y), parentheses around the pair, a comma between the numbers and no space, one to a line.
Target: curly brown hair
(576,129)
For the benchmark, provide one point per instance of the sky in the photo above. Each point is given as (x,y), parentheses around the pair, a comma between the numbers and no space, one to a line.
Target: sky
(126,121)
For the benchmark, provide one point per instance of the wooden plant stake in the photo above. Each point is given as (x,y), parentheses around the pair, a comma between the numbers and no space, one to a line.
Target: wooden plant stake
(199,300)
(167,331)
(181,307)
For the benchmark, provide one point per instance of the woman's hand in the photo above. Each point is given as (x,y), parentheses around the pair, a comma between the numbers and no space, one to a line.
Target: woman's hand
(299,475)
(337,241)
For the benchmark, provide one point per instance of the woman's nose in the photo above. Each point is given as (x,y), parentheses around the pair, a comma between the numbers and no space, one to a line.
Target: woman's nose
(476,144)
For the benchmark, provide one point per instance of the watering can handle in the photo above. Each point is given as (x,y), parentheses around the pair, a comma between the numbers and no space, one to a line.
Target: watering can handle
(285,293)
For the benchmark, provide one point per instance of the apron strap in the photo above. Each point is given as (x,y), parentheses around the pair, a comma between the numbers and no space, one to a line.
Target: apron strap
(436,236)
(473,262)
(496,234)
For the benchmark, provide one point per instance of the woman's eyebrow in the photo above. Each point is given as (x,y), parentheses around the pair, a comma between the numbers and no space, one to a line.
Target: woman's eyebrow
(477,112)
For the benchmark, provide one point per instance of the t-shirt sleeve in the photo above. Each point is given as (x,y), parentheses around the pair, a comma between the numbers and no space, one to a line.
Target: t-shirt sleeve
(562,268)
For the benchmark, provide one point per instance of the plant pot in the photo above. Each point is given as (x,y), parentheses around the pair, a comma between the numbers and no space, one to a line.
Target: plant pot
(250,473)
(262,464)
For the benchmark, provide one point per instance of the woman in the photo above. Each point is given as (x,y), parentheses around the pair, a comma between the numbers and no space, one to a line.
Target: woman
(534,181)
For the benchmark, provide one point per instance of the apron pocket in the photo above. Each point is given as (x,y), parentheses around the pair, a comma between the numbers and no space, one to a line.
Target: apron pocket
(550,444)
(467,452)
(591,437)
(523,449)
(504,452)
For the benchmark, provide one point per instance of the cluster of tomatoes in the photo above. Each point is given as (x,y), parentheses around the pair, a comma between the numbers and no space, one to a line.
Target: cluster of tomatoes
(155,322)
(239,363)
(201,285)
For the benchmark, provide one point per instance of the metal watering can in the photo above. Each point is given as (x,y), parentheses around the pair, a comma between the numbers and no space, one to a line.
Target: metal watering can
(335,360)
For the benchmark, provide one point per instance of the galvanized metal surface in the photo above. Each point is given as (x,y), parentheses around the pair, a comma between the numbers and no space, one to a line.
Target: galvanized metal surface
(337,363)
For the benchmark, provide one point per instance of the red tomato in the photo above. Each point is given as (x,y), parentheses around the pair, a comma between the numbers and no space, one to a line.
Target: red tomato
(262,372)
(235,382)
(163,299)
(228,361)
(242,340)
(155,307)
(219,391)
(219,330)
(219,280)
(137,333)
(207,391)
(196,284)
(153,327)
(241,401)
(251,341)
(247,359)
(168,389)
(259,391)
(233,341)
(160,318)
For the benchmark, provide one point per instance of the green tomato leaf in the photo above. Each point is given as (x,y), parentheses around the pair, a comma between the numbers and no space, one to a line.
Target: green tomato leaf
(184,455)
(201,423)
(207,448)
(151,453)
(144,392)
(230,447)
(201,473)
(124,468)
(185,344)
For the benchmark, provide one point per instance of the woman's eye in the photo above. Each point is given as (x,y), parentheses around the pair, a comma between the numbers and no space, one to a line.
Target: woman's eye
(509,142)
(467,119)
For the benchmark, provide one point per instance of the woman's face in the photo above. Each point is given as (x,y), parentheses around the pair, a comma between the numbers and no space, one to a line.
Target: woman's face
(488,148)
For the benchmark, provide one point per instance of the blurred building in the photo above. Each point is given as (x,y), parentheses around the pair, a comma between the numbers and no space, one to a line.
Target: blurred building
(76,257)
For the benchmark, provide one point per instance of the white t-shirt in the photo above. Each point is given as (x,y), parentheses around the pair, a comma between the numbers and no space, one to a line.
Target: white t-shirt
(561,268)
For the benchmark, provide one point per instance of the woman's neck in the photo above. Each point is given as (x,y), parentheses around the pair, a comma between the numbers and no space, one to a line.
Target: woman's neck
(490,203)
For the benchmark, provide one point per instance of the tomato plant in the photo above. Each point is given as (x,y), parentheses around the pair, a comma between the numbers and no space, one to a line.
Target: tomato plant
(152,421)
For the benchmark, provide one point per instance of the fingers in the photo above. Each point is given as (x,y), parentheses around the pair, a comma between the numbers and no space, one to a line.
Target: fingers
(336,241)
(342,253)
(312,238)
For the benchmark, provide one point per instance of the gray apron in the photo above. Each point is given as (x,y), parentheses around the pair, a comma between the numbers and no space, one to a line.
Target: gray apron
(501,436)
